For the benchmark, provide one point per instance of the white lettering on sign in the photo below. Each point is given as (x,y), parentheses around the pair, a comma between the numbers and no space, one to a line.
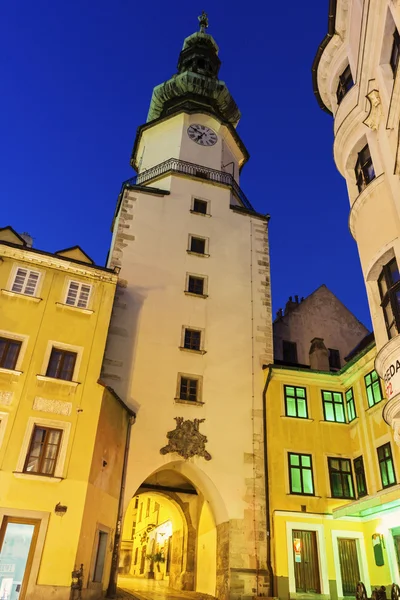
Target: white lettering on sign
(392,379)
(7,568)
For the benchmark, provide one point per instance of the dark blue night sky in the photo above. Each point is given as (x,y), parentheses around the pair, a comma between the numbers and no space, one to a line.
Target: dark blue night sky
(76,81)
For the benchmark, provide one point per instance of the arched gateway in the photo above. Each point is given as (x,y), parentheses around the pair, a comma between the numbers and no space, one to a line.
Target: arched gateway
(190,331)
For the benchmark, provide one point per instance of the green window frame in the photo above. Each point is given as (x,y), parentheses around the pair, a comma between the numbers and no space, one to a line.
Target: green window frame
(359,473)
(301,478)
(373,388)
(341,477)
(350,405)
(295,401)
(333,406)
(386,465)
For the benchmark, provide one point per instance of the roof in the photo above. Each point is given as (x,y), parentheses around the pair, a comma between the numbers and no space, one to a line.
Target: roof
(368,340)
(321,48)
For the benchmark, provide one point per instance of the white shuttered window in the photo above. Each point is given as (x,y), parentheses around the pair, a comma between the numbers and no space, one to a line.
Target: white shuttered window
(78,294)
(25,282)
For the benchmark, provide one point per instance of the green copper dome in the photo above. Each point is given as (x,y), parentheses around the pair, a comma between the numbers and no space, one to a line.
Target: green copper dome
(196,84)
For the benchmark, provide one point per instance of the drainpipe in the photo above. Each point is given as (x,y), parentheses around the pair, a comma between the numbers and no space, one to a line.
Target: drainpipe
(112,586)
(267,503)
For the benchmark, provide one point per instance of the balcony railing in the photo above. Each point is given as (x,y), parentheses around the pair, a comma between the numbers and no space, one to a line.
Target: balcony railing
(173,165)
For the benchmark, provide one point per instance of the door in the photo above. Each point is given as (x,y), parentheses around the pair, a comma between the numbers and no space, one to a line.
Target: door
(349,568)
(142,559)
(305,557)
(396,540)
(17,547)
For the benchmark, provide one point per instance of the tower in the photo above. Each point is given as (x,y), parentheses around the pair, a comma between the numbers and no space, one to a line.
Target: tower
(191,329)
(356,79)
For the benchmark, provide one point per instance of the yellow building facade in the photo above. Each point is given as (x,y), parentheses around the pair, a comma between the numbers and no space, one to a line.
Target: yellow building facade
(62,433)
(333,470)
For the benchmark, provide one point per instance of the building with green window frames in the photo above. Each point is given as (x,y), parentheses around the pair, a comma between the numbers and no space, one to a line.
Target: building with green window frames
(333,473)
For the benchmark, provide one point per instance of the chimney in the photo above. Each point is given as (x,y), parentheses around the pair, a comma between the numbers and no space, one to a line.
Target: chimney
(319,355)
(27,238)
(291,304)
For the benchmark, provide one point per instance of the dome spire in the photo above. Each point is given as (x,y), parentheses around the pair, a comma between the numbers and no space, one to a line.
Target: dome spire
(203,21)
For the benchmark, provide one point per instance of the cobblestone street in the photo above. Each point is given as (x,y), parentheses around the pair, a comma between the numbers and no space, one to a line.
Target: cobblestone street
(149,589)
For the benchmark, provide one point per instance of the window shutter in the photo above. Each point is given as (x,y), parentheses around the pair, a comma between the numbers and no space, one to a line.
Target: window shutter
(78,294)
(72,293)
(84,296)
(25,282)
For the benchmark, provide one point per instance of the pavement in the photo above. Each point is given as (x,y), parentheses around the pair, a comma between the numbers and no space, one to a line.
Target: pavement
(136,588)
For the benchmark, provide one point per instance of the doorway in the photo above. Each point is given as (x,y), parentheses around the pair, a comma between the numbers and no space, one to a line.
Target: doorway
(17,547)
(396,542)
(349,567)
(305,557)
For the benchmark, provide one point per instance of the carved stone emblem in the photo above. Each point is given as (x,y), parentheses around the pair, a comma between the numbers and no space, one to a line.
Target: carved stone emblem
(375,111)
(56,407)
(6,398)
(186,439)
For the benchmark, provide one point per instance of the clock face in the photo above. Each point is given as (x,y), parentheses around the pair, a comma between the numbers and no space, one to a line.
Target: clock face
(202,135)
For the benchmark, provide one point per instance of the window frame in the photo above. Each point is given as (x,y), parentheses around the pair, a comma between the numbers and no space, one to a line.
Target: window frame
(80,284)
(64,353)
(334,363)
(189,346)
(14,275)
(324,401)
(341,472)
(388,295)
(343,87)
(204,202)
(296,398)
(301,468)
(194,237)
(99,533)
(293,346)
(199,386)
(363,178)
(42,456)
(370,386)
(350,401)
(360,472)
(194,276)
(3,357)
(385,460)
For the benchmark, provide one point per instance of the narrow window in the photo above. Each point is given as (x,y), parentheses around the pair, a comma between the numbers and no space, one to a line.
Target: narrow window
(364,169)
(295,401)
(9,352)
(25,282)
(148,507)
(199,206)
(196,285)
(43,451)
(389,290)
(386,465)
(197,245)
(78,294)
(140,512)
(345,84)
(136,503)
(333,406)
(334,359)
(300,474)
(136,556)
(289,351)
(341,478)
(373,387)
(350,405)
(61,364)
(359,472)
(100,556)
(188,389)
(395,54)
(192,339)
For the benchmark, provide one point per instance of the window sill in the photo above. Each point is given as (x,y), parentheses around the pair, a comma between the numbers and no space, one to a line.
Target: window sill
(303,495)
(194,212)
(195,295)
(18,295)
(56,380)
(372,409)
(85,311)
(354,421)
(10,371)
(300,418)
(201,254)
(342,498)
(334,422)
(192,350)
(189,402)
(33,476)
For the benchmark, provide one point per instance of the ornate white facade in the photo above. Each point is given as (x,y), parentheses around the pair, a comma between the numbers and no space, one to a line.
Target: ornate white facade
(357,79)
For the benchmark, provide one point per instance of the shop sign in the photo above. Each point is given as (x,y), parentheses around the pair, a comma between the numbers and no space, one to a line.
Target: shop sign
(297,549)
(392,379)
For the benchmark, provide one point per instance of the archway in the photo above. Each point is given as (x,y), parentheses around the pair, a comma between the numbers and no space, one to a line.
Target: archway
(169,535)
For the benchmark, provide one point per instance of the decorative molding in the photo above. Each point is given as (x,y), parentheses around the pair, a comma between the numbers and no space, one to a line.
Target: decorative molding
(6,398)
(57,407)
(396,428)
(186,439)
(375,110)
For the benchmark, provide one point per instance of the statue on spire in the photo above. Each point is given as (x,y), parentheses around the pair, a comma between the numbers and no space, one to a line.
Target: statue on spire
(203,20)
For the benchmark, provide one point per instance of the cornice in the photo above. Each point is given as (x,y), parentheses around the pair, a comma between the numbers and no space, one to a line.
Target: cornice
(51,261)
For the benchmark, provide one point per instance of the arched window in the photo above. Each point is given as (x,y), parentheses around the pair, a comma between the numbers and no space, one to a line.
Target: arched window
(364,169)
(389,290)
